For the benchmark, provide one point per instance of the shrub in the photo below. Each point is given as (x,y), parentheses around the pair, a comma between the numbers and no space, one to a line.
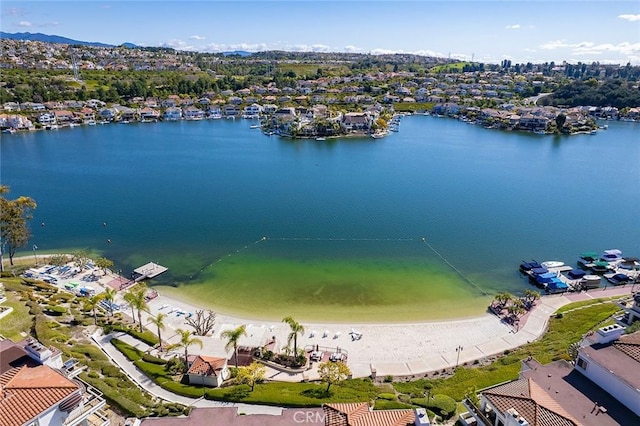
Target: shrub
(55,310)
(387,396)
(388,379)
(442,405)
(153,359)
(127,350)
(111,370)
(382,404)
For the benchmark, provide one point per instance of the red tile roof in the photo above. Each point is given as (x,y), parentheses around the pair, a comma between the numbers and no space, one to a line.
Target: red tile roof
(26,392)
(207,365)
(359,414)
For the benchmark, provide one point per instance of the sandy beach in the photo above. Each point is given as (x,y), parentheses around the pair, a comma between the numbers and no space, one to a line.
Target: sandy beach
(407,349)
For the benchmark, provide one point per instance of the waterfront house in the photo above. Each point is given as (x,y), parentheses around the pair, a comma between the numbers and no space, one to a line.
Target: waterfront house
(46,119)
(172,114)
(193,113)
(33,393)
(252,111)
(208,371)
(108,114)
(356,122)
(554,394)
(63,116)
(231,111)
(15,121)
(149,114)
(611,360)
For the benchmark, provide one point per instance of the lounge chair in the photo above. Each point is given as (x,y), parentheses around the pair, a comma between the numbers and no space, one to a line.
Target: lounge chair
(335,336)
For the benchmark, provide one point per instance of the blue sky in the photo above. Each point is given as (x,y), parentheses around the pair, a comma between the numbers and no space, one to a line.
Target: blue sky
(522,31)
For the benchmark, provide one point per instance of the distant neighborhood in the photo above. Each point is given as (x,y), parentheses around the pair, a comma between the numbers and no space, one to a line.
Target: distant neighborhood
(335,100)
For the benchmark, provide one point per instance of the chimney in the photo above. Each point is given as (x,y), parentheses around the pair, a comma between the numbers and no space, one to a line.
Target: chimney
(513,418)
(608,334)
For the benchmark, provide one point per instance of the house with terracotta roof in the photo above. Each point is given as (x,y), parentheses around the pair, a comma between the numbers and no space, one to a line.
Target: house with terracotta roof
(556,394)
(36,394)
(208,371)
(360,414)
(42,396)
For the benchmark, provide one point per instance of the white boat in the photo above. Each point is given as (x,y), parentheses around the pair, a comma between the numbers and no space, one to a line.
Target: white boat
(378,135)
(320,139)
(9,130)
(552,264)
(255,126)
(590,281)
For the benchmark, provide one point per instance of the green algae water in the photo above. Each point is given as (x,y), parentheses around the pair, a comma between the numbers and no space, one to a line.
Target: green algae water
(330,230)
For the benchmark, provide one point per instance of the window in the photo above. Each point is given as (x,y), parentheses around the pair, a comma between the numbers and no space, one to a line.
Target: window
(582,363)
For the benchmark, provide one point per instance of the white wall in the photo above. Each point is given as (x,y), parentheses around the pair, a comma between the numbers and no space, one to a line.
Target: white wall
(604,378)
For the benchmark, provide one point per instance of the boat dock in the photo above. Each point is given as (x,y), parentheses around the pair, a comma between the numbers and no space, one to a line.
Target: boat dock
(148,271)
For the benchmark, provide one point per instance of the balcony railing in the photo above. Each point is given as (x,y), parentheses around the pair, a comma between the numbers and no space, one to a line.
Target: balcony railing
(90,409)
(477,413)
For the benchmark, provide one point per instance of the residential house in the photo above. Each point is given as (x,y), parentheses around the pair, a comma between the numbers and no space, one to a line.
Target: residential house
(47,119)
(359,413)
(208,371)
(633,314)
(86,115)
(63,116)
(269,108)
(252,111)
(149,114)
(552,394)
(612,361)
(231,111)
(108,114)
(357,122)
(172,114)
(36,394)
(15,121)
(193,113)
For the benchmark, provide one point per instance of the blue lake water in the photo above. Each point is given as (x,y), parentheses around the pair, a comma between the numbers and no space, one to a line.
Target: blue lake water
(186,194)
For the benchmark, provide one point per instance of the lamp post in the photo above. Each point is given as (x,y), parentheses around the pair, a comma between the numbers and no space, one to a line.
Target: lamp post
(35,257)
(458,350)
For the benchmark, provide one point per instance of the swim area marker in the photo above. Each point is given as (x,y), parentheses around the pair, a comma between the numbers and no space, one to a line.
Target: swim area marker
(459,272)
(265,238)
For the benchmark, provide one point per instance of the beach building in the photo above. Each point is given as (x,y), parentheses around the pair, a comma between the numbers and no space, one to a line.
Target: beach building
(560,393)
(35,393)
(208,371)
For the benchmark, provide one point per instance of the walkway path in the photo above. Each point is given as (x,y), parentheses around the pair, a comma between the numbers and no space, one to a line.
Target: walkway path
(104,342)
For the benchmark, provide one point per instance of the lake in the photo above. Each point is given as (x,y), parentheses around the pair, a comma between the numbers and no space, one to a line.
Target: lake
(427,223)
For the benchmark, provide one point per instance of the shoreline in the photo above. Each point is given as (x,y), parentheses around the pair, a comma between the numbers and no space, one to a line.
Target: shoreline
(400,350)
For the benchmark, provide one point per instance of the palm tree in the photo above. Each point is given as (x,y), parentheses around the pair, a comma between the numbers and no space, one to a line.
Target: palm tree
(186,339)
(158,321)
(109,296)
(232,337)
(136,299)
(91,303)
(296,328)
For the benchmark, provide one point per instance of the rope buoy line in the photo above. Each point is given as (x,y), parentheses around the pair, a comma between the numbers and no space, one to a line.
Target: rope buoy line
(265,238)
(459,272)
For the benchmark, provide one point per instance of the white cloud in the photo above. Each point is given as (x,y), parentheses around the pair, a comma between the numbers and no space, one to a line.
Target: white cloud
(513,27)
(310,48)
(25,24)
(196,37)
(556,44)
(249,47)
(177,44)
(631,18)
(352,49)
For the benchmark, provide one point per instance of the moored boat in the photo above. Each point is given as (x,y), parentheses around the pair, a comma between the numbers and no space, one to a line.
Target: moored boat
(618,279)
(552,264)
(587,258)
(590,281)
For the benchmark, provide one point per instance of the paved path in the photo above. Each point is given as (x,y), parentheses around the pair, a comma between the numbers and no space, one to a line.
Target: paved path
(138,377)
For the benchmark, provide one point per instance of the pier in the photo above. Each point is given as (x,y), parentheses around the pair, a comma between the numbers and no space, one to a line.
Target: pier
(148,271)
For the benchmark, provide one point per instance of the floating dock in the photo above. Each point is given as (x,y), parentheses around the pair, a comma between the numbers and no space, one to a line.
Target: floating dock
(148,271)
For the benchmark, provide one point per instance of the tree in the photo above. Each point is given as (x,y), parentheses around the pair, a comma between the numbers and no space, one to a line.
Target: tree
(531,296)
(158,321)
(135,297)
(14,229)
(296,328)
(503,298)
(91,303)
(333,372)
(58,259)
(202,321)
(80,258)
(252,374)
(104,264)
(560,120)
(232,337)
(110,296)
(186,340)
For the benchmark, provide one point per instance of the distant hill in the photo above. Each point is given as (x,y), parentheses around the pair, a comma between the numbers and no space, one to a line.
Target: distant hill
(242,53)
(54,39)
